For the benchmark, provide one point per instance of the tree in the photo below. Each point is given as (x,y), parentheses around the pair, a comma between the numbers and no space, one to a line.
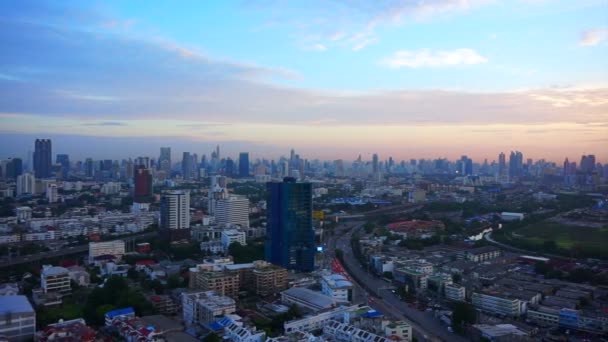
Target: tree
(369,227)
(462,313)
(212,337)
(457,278)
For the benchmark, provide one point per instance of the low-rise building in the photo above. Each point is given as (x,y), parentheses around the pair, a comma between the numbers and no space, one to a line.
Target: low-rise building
(482,254)
(400,331)
(498,304)
(205,307)
(72,330)
(237,332)
(308,299)
(55,279)
(268,279)
(231,236)
(225,283)
(17,318)
(163,304)
(455,292)
(498,332)
(344,332)
(115,248)
(337,287)
(9,289)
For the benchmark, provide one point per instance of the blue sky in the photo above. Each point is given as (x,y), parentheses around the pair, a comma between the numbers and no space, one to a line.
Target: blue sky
(451,76)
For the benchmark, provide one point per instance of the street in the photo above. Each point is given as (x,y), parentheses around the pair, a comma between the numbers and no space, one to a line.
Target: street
(423,323)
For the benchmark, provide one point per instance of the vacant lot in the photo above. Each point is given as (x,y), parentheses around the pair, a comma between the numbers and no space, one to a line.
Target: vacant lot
(556,238)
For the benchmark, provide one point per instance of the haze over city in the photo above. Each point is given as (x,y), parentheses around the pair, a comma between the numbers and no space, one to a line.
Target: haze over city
(404,79)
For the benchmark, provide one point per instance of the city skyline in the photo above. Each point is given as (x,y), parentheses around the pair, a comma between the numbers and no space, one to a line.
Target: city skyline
(332,80)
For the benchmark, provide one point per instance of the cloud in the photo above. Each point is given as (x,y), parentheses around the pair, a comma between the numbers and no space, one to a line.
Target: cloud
(105,124)
(429,58)
(353,24)
(593,37)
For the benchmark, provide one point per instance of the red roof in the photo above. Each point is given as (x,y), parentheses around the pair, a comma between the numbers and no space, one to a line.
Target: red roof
(145,262)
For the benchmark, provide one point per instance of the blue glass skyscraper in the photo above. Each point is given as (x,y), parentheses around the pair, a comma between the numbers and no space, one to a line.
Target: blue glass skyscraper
(290,238)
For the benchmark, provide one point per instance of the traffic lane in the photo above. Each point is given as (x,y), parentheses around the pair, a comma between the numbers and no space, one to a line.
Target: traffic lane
(428,322)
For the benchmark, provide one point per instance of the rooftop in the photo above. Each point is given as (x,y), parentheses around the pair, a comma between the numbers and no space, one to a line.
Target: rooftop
(315,298)
(15,304)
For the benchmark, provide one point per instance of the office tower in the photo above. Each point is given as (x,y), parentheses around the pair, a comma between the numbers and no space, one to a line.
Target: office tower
(26,184)
(164,161)
(12,168)
(42,158)
(587,163)
(175,215)
(64,161)
(232,210)
(89,169)
(142,191)
(466,166)
(502,165)
(51,193)
(229,168)
(187,166)
(515,164)
(244,164)
(290,240)
(375,167)
(339,168)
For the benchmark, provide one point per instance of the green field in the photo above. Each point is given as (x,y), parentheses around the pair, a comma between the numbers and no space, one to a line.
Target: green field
(551,237)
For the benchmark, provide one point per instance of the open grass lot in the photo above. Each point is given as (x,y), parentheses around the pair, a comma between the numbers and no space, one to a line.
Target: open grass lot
(592,241)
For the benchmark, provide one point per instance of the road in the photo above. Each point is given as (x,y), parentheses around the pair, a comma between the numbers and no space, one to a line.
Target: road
(423,323)
(66,251)
(488,237)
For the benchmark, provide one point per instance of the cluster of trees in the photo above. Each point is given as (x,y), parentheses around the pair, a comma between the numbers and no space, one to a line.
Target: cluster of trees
(249,253)
(578,275)
(114,294)
(462,314)
(274,326)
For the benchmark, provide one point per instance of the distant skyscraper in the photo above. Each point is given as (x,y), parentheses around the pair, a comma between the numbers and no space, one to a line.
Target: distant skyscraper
(142,191)
(516,162)
(64,161)
(14,168)
(43,158)
(375,167)
(187,166)
(26,184)
(587,163)
(175,215)
(244,164)
(229,169)
(290,240)
(164,161)
(89,168)
(502,165)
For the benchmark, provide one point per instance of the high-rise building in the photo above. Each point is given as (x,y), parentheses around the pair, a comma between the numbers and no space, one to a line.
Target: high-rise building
(290,241)
(42,158)
(164,161)
(502,165)
(26,184)
(232,211)
(375,166)
(516,164)
(175,215)
(587,163)
(142,191)
(244,164)
(89,168)
(64,161)
(187,166)
(229,169)
(51,193)
(14,168)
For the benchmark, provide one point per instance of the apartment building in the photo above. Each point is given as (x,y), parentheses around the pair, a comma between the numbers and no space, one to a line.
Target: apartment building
(225,283)
(498,304)
(455,292)
(17,318)
(55,279)
(337,287)
(204,307)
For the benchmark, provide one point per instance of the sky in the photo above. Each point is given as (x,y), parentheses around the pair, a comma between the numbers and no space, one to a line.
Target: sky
(332,79)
